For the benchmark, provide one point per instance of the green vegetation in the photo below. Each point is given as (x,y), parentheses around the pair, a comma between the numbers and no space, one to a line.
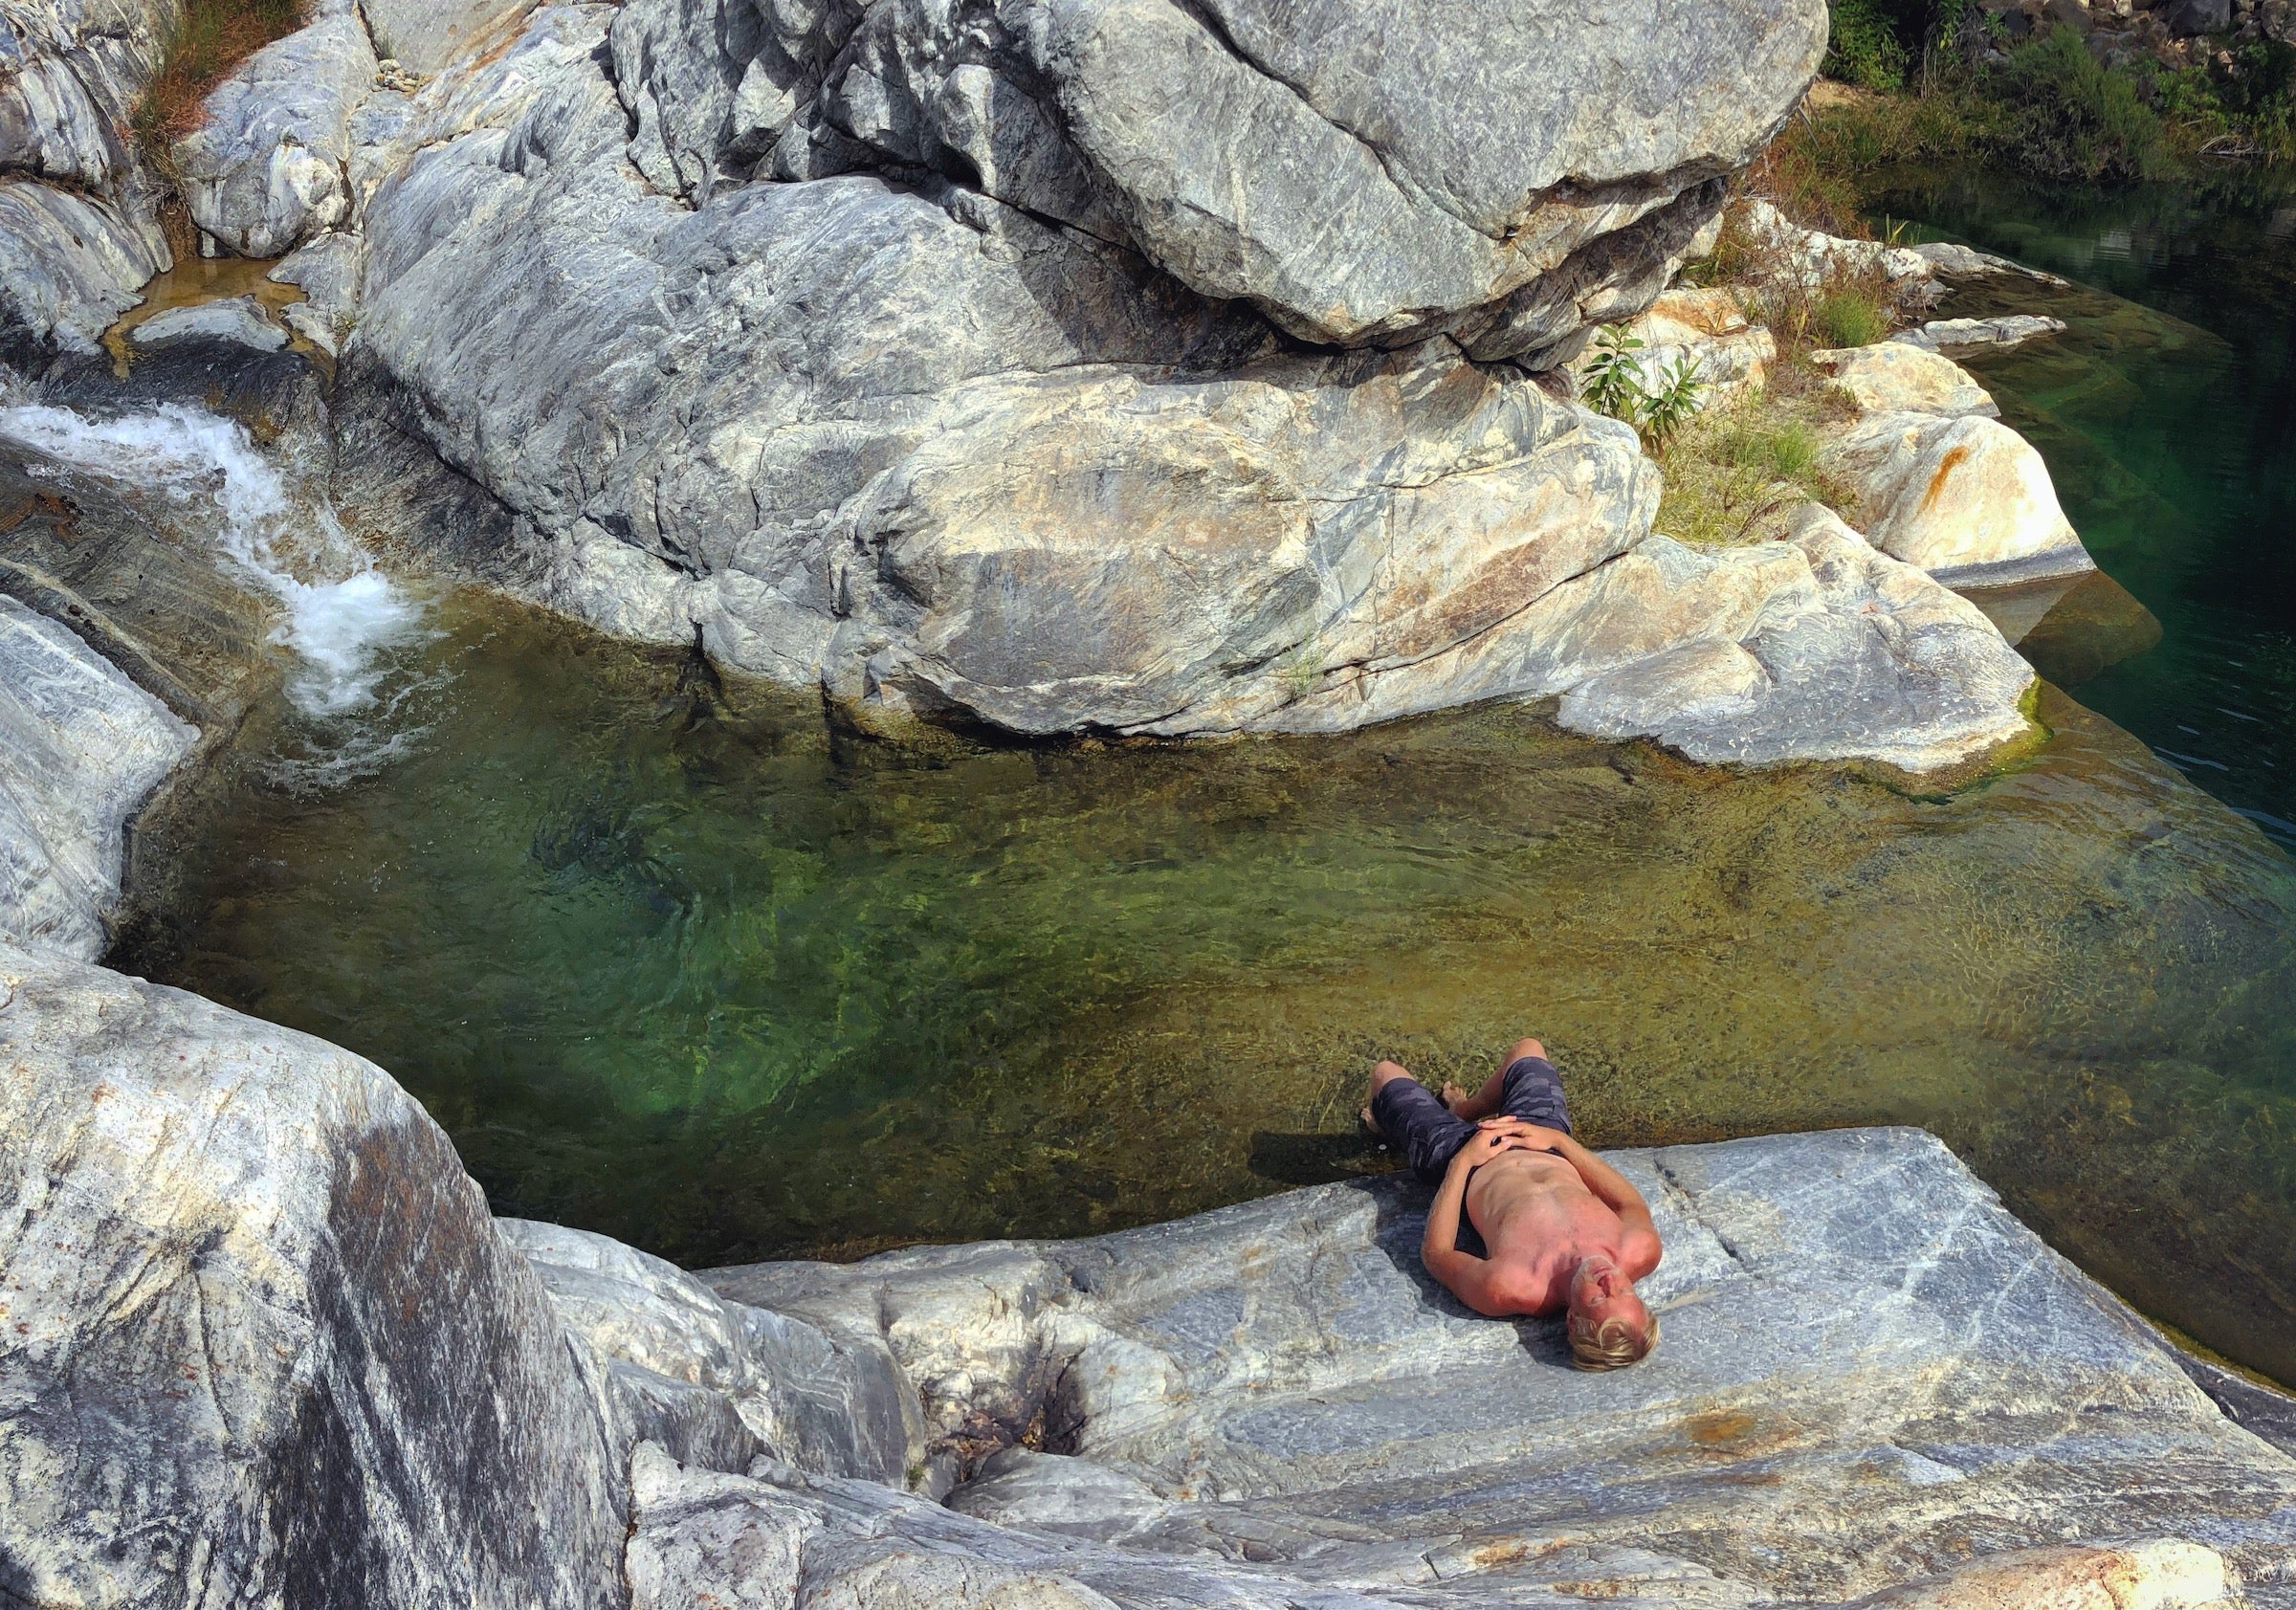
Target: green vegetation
(1614,385)
(1614,382)
(211,38)
(1865,49)
(1949,84)
(1731,472)
(1848,316)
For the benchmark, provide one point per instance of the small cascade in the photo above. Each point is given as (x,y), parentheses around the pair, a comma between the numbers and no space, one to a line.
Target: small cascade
(346,624)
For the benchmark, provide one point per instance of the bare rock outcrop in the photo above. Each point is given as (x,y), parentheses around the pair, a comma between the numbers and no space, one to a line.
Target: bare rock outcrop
(265,172)
(81,746)
(1271,1405)
(77,235)
(264,1345)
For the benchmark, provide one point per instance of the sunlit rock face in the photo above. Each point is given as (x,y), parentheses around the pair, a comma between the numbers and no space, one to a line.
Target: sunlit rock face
(264,1344)
(80,745)
(78,234)
(1027,436)
(265,171)
(1271,1404)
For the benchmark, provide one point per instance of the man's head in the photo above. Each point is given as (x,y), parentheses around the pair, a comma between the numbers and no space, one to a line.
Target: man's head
(1607,1324)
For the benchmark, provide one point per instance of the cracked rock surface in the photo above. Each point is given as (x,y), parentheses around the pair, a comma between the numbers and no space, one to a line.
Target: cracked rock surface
(1271,1405)
(263,1345)
(723,339)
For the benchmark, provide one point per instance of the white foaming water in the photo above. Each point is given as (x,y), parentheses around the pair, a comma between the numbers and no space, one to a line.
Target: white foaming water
(343,615)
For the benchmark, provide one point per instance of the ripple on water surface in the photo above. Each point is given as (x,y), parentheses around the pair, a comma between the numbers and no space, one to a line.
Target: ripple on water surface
(728,984)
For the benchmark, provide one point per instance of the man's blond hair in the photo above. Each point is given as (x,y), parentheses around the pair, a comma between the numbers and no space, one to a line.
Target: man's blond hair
(1612,1344)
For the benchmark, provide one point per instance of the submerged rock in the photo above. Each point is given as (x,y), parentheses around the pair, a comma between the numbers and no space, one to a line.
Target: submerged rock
(2007,330)
(2070,627)
(81,746)
(240,320)
(264,1346)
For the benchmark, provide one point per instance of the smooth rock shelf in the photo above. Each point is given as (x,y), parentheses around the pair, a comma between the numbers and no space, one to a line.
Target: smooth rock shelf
(267,1347)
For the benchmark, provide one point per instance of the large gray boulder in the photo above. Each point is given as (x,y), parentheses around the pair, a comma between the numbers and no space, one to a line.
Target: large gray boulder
(80,747)
(77,232)
(1853,654)
(265,171)
(71,71)
(70,265)
(718,1383)
(1361,171)
(1874,1387)
(945,454)
(264,1346)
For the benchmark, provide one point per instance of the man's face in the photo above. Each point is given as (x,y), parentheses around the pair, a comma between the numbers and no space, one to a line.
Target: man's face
(1600,1291)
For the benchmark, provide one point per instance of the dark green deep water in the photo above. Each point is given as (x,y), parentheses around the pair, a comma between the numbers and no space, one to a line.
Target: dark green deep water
(727,981)
(2169,430)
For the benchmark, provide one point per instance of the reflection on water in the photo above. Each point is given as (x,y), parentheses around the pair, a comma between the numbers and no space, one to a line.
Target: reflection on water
(727,984)
(2170,428)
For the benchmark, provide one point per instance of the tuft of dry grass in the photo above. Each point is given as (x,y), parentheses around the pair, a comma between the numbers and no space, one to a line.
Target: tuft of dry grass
(1731,473)
(211,38)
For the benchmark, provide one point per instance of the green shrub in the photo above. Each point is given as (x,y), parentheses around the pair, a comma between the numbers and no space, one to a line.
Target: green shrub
(1614,379)
(1862,46)
(1848,316)
(1673,404)
(2071,115)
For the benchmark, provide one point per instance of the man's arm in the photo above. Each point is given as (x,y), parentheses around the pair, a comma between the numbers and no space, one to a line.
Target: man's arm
(1467,1276)
(1639,1249)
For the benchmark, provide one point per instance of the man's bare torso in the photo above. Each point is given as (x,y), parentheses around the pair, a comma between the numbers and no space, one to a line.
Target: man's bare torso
(1538,1219)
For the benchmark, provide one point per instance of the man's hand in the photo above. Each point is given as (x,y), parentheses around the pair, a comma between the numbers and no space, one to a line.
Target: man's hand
(1493,1137)
(1530,1137)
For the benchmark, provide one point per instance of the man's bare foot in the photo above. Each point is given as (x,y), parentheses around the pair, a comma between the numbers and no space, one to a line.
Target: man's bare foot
(1371,1125)
(1454,1098)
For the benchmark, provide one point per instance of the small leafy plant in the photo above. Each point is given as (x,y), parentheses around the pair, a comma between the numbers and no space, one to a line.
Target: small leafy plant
(1673,404)
(1614,379)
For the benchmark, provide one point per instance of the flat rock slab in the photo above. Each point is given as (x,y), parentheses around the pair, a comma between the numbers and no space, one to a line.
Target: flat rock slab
(2005,331)
(1870,1376)
(233,318)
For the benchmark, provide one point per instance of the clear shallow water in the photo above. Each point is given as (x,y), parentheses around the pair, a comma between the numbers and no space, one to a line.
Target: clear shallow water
(726,982)
(716,978)
(2170,428)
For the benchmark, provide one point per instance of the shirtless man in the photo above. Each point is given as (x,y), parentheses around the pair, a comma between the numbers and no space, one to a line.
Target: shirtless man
(1562,1231)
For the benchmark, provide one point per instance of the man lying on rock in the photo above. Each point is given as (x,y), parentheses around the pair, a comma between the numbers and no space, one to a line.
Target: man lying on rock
(1561,1230)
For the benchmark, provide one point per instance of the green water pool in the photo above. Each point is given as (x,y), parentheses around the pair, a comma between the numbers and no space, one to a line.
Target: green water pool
(727,980)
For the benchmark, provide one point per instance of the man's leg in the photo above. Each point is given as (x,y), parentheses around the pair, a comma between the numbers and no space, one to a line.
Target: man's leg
(1414,1122)
(1491,1100)
(1530,1088)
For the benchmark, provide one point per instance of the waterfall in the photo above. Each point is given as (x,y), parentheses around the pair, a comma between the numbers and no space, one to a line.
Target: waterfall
(342,618)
